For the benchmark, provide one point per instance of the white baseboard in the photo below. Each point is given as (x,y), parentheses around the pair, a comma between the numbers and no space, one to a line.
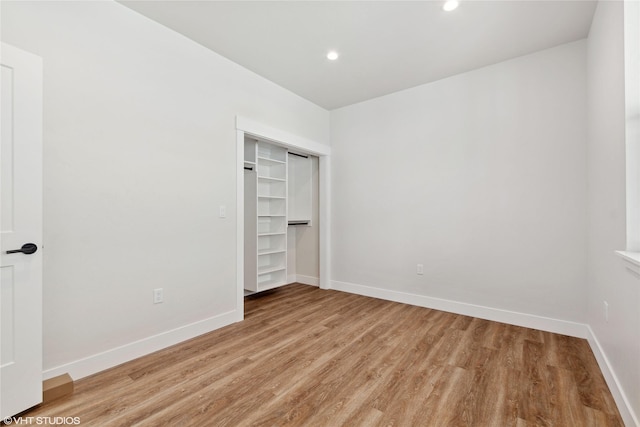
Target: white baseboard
(548,324)
(624,406)
(113,357)
(308,280)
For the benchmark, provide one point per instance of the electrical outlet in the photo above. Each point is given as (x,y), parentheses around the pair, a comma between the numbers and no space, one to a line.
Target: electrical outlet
(223,212)
(606,311)
(420,269)
(157,296)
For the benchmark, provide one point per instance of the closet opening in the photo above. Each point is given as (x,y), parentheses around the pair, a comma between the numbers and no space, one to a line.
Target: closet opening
(283,224)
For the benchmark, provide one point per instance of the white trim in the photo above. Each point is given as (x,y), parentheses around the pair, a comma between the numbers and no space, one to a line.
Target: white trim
(632,121)
(624,406)
(289,140)
(116,356)
(281,137)
(308,280)
(548,324)
(240,224)
(324,171)
(632,260)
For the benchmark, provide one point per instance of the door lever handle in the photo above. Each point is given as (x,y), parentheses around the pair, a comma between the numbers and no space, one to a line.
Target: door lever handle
(27,249)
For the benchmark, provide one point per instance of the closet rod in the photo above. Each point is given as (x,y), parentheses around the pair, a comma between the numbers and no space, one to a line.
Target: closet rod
(298,223)
(299,155)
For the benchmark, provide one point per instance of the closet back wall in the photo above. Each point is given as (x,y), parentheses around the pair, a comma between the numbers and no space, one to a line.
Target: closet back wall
(308,237)
(303,244)
(480,177)
(139,153)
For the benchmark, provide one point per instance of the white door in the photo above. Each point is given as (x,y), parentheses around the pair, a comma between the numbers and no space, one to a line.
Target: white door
(20,223)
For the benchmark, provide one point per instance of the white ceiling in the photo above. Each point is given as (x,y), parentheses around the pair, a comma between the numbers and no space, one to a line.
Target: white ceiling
(384,46)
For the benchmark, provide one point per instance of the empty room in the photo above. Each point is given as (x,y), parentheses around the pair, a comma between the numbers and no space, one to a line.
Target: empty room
(320,213)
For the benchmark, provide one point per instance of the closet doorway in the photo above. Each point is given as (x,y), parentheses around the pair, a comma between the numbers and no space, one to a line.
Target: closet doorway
(282,210)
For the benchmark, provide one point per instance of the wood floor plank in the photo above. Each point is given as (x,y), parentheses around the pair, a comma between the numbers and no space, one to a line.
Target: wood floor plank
(310,357)
(361,355)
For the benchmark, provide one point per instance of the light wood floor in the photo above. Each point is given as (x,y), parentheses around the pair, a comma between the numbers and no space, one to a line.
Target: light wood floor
(305,356)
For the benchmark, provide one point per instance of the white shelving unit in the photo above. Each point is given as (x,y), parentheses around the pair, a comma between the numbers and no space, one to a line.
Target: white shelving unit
(265,216)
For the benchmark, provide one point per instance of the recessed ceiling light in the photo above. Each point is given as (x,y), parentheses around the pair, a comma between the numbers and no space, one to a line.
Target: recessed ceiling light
(450,5)
(333,55)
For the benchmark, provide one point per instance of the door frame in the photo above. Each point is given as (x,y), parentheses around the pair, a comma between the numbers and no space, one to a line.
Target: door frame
(288,140)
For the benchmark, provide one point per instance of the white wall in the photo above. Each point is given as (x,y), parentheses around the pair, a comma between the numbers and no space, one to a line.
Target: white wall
(308,237)
(609,280)
(303,241)
(481,177)
(139,153)
(291,254)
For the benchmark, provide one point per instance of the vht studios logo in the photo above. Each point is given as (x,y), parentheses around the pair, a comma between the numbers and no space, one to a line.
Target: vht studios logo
(50,421)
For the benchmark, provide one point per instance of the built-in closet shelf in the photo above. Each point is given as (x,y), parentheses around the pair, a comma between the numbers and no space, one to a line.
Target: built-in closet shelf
(270,234)
(268,270)
(270,284)
(268,160)
(271,216)
(272,197)
(270,178)
(274,251)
